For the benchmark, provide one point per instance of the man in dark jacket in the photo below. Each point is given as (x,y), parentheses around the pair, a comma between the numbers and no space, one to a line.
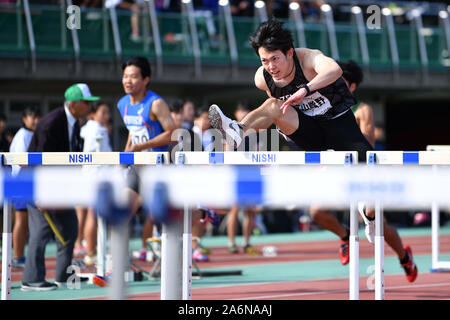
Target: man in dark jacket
(58,131)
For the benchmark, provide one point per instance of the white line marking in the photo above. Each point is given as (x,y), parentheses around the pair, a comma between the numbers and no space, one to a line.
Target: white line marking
(344,291)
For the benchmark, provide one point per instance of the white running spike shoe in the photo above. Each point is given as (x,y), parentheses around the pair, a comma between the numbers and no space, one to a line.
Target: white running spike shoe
(224,124)
(370,224)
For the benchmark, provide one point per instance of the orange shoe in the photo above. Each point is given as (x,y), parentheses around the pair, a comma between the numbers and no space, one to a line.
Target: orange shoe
(99,281)
(410,267)
(344,251)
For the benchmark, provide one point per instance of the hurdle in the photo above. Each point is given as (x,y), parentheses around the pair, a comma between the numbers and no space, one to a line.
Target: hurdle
(437,265)
(438,147)
(275,186)
(259,158)
(432,158)
(67,159)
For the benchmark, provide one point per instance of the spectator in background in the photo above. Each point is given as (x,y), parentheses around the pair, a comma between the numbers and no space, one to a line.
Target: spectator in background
(278,8)
(134,7)
(311,10)
(20,143)
(201,126)
(353,76)
(242,8)
(89,3)
(96,139)
(207,9)
(4,141)
(187,140)
(188,114)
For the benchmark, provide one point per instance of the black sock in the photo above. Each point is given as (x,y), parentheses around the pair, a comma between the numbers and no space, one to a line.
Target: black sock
(405,259)
(347,236)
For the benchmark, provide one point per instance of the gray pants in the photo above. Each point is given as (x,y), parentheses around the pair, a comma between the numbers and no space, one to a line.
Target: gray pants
(40,233)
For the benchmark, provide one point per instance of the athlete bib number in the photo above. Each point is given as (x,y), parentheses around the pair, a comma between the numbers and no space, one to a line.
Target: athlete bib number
(139,135)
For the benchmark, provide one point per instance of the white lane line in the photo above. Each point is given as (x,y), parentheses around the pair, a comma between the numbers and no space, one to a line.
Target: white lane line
(344,291)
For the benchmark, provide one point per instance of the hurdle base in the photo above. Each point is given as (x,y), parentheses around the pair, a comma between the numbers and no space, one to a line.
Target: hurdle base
(218,273)
(198,275)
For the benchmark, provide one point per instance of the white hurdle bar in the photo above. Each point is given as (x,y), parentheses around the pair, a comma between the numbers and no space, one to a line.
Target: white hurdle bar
(433,158)
(277,186)
(64,193)
(438,147)
(261,158)
(437,265)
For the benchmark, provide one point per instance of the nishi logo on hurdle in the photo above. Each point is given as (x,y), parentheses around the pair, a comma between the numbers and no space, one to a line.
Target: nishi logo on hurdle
(82,158)
(268,158)
(49,186)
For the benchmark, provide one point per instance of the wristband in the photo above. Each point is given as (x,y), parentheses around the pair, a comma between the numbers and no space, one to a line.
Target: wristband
(306,87)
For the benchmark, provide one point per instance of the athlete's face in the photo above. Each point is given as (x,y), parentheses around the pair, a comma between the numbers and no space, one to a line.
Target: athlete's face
(30,121)
(132,81)
(102,115)
(203,121)
(188,111)
(177,118)
(278,64)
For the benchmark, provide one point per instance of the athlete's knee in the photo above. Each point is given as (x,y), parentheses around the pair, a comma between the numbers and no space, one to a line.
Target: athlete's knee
(273,105)
(315,212)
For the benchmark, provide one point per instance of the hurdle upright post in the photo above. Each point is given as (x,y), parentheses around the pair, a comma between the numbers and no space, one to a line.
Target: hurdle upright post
(354,244)
(171,260)
(379,252)
(187,253)
(187,245)
(119,251)
(6,242)
(6,250)
(434,236)
(354,253)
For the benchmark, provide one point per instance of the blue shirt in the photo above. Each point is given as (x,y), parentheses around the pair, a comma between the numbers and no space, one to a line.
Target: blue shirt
(137,119)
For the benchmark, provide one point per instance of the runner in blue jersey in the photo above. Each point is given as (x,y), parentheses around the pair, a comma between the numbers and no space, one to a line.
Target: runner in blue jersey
(147,118)
(145,114)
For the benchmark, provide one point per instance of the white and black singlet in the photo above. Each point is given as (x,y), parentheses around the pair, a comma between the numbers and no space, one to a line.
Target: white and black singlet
(324,120)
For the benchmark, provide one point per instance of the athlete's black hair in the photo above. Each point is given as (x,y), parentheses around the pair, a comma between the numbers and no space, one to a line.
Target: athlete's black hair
(272,36)
(95,107)
(200,111)
(242,105)
(30,111)
(140,62)
(351,72)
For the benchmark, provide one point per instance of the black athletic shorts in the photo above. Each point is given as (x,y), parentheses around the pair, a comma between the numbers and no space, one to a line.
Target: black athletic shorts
(339,134)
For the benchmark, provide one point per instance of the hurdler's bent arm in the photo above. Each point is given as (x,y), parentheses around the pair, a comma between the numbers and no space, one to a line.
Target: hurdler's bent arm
(161,112)
(321,69)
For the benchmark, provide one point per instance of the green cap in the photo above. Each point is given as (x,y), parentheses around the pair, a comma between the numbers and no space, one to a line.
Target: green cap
(79,91)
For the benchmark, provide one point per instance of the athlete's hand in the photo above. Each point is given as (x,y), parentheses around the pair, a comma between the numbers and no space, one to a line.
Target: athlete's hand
(293,100)
(132,148)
